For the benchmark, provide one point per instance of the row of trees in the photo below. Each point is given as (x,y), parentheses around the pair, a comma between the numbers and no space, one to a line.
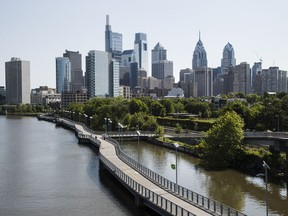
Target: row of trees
(268,112)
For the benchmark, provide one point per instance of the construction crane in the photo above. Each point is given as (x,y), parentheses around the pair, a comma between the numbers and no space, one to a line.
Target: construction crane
(260,59)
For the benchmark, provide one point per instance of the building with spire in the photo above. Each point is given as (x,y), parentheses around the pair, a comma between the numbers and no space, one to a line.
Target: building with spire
(161,67)
(199,56)
(228,59)
(113,41)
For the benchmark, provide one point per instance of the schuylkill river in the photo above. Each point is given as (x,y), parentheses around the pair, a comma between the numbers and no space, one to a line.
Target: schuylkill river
(43,171)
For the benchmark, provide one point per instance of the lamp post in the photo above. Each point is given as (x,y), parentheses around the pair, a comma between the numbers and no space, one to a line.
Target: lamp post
(176,145)
(110,125)
(105,119)
(85,119)
(277,116)
(266,167)
(120,130)
(90,123)
(138,132)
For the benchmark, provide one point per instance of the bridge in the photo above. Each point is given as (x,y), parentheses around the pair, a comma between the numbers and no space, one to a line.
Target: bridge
(149,188)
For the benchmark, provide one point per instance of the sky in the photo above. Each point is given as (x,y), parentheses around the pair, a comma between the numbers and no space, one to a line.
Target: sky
(41,30)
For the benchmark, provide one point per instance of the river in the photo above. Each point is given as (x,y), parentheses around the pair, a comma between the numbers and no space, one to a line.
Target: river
(235,189)
(43,171)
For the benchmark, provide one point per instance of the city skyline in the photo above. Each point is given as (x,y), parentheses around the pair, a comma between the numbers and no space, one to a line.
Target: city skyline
(39,31)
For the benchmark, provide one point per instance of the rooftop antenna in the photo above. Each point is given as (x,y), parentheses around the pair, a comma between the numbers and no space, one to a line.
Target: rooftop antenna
(199,35)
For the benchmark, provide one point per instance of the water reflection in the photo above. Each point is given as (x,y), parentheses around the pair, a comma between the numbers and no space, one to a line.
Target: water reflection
(235,189)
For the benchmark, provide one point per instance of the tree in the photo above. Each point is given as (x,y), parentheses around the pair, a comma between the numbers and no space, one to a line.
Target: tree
(178,128)
(223,140)
(160,131)
(136,106)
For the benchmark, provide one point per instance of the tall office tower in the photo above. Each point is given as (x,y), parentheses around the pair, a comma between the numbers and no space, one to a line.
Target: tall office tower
(75,59)
(161,68)
(274,80)
(114,78)
(204,79)
(228,77)
(199,56)
(134,76)
(141,51)
(2,95)
(63,75)
(242,78)
(127,57)
(17,73)
(113,41)
(183,72)
(97,73)
(256,69)
(228,59)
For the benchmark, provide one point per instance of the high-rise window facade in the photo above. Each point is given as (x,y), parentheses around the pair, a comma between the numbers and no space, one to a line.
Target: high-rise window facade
(199,56)
(161,68)
(141,51)
(63,75)
(17,74)
(75,59)
(97,73)
(113,41)
(228,59)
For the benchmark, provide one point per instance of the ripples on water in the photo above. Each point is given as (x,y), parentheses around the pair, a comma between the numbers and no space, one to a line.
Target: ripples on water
(43,171)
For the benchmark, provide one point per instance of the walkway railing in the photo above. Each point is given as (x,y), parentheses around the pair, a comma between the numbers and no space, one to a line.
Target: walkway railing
(277,135)
(182,192)
(144,192)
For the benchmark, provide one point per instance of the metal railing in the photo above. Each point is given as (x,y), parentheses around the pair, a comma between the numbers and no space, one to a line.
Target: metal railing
(144,192)
(267,134)
(182,192)
(190,196)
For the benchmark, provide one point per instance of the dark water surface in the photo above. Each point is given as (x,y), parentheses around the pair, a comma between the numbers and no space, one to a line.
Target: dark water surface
(235,189)
(43,171)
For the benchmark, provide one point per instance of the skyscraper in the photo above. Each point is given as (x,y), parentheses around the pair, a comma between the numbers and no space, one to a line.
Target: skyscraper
(242,78)
(75,59)
(161,68)
(199,55)
(274,80)
(228,59)
(113,41)
(114,78)
(63,75)
(17,74)
(141,50)
(204,79)
(97,73)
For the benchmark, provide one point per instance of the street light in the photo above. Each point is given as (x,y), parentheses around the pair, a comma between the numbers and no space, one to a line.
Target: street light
(120,127)
(90,123)
(265,165)
(105,119)
(176,145)
(277,116)
(138,132)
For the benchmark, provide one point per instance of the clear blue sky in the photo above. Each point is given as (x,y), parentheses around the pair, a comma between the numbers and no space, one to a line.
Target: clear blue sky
(39,31)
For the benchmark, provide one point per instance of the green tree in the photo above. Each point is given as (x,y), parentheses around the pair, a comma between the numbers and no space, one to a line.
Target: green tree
(159,131)
(157,109)
(223,140)
(178,128)
(136,106)
(168,104)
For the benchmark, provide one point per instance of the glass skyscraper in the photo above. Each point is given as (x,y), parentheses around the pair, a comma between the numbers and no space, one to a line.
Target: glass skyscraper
(97,73)
(161,68)
(63,75)
(17,75)
(113,41)
(75,59)
(228,59)
(199,55)
(141,51)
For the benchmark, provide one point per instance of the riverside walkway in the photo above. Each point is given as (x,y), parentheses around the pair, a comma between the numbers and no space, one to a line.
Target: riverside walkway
(149,189)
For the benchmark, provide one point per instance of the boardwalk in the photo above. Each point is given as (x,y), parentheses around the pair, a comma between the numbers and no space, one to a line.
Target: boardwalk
(149,188)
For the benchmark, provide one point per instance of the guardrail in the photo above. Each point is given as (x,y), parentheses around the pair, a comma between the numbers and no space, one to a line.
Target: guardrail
(144,192)
(266,134)
(182,192)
